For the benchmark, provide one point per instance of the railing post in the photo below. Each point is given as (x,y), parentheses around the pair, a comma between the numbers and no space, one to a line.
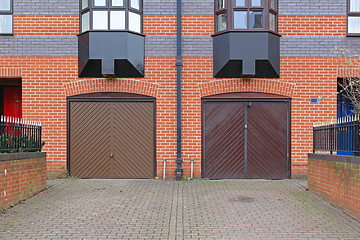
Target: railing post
(314,144)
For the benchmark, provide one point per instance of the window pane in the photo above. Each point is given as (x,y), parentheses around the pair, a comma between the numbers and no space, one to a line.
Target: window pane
(256,20)
(221,22)
(134,22)
(117,20)
(256,3)
(221,4)
(85,22)
(4,5)
(100,3)
(354,5)
(84,4)
(100,20)
(117,3)
(273,4)
(240,3)
(135,4)
(272,22)
(240,19)
(5,24)
(354,25)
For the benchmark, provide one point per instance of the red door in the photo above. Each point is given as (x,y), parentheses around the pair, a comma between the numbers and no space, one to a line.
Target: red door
(12,102)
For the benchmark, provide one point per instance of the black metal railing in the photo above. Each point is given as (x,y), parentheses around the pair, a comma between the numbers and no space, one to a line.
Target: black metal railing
(342,136)
(19,135)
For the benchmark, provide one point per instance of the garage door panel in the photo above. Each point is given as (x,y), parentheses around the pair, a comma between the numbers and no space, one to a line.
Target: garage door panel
(112,139)
(245,139)
(89,140)
(134,128)
(267,140)
(224,140)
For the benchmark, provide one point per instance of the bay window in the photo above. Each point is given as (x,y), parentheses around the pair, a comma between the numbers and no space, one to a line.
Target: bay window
(6,17)
(245,15)
(246,42)
(111,15)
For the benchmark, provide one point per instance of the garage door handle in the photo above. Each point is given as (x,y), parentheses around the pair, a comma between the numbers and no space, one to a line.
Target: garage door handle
(111,155)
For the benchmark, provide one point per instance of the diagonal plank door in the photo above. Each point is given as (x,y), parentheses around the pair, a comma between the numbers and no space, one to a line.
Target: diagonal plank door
(133,142)
(267,140)
(224,140)
(112,139)
(89,139)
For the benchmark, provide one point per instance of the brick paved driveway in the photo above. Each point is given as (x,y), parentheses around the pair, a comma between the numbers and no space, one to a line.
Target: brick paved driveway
(150,209)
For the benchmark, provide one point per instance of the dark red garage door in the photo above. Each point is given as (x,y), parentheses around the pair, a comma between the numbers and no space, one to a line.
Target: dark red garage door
(246,137)
(111,138)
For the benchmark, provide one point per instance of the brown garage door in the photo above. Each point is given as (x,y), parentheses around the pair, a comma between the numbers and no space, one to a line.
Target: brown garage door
(224,140)
(111,139)
(245,138)
(267,140)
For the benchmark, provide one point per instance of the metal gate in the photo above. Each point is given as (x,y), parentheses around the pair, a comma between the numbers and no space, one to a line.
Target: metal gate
(111,138)
(246,138)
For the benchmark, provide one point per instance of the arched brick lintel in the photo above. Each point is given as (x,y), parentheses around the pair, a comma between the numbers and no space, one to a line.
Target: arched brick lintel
(10,72)
(247,85)
(111,85)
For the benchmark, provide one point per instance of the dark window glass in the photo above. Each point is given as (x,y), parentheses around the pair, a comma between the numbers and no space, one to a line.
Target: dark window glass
(256,3)
(240,15)
(240,19)
(273,4)
(256,20)
(240,3)
(272,22)
(221,21)
(221,4)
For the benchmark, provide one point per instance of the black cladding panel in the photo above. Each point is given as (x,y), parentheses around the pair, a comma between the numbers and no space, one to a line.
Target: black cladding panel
(115,54)
(247,54)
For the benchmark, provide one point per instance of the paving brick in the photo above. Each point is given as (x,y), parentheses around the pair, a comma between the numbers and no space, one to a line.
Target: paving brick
(200,209)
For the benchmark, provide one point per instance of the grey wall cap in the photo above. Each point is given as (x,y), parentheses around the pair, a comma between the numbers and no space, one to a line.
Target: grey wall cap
(335,158)
(20,156)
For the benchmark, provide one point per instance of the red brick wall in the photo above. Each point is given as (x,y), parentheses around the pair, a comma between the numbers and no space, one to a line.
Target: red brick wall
(46,82)
(191,25)
(307,25)
(337,182)
(46,25)
(24,178)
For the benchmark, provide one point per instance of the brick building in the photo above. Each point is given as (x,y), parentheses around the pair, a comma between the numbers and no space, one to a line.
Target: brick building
(249,116)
